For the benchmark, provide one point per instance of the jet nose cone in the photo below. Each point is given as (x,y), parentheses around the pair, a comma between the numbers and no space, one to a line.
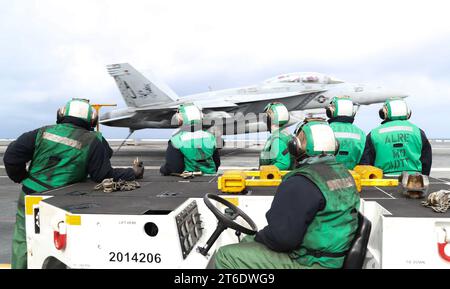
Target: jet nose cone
(393,91)
(369,95)
(388,93)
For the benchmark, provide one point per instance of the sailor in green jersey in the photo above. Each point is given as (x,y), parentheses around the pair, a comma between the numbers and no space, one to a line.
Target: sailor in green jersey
(397,145)
(275,151)
(191,149)
(341,113)
(313,217)
(60,155)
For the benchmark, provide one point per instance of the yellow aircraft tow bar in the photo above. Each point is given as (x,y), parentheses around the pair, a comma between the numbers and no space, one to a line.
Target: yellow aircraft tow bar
(369,176)
(236,181)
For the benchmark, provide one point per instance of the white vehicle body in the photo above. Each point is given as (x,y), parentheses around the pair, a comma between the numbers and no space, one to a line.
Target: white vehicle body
(404,234)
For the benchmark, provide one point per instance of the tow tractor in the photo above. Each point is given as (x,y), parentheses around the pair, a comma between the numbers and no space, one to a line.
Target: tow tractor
(171,222)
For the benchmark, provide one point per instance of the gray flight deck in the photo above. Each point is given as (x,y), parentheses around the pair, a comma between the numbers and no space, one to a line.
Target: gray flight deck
(162,194)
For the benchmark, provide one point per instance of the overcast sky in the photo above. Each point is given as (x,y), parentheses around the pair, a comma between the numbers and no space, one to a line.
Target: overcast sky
(52,50)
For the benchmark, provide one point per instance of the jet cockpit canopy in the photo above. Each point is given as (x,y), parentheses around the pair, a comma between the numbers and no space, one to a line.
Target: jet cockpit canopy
(304,77)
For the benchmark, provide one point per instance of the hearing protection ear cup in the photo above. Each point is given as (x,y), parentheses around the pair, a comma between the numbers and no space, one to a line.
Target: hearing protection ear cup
(295,144)
(58,116)
(269,122)
(329,112)
(294,147)
(382,113)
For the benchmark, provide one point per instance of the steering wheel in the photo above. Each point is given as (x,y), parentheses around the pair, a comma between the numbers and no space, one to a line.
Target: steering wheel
(226,220)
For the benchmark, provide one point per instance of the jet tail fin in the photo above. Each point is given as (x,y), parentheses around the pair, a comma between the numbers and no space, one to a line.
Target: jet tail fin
(137,90)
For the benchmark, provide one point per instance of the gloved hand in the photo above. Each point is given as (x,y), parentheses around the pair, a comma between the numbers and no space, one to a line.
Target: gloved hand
(138,168)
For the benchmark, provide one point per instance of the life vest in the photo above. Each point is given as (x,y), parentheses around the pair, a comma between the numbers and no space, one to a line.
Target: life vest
(197,148)
(329,236)
(60,157)
(398,147)
(352,141)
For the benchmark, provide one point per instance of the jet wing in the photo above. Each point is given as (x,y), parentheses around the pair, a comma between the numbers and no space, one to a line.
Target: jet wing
(235,100)
(172,106)
(256,97)
(213,104)
(116,119)
(226,101)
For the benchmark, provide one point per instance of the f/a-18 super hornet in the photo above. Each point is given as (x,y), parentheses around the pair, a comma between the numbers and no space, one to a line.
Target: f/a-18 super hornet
(152,104)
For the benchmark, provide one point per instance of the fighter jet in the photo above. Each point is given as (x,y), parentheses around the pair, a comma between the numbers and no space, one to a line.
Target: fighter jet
(152,104)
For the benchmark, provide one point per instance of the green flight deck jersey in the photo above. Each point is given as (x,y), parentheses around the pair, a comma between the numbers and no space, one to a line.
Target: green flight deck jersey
(352,141)
(398,147)
(197,148)
(329,236)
